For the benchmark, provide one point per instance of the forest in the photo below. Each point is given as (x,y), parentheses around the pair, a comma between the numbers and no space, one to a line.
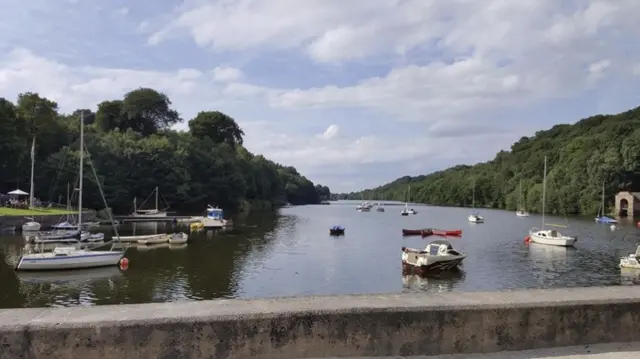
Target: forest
(602,149)
(133,148)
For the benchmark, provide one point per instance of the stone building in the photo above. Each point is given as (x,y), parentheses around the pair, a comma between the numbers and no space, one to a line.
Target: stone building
(628,203)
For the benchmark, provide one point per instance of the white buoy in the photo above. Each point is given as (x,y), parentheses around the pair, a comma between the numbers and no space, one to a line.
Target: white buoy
(613,227)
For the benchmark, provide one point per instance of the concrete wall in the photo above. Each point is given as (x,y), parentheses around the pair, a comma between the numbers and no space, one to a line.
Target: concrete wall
(367,325)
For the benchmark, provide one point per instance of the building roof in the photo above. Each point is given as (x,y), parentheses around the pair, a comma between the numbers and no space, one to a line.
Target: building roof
(634,194)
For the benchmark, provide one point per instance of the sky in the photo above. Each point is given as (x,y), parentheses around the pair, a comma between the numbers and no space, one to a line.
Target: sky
(354,94)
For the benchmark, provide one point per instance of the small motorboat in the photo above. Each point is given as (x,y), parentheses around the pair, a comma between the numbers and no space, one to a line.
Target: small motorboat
(336,230)
(631,261)
(439,255)
(476,218)
(68,258)
(30,225)
(521,213)
(178,238)
(447,233)
(417,232)
(164,238)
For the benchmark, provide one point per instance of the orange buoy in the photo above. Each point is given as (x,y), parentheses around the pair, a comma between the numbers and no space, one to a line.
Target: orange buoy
(124,263)
(527,239)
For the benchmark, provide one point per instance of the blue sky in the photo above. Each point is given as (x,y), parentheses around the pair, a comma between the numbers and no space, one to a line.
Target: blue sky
(354,94)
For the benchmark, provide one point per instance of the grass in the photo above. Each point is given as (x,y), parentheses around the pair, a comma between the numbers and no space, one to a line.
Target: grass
(4,211)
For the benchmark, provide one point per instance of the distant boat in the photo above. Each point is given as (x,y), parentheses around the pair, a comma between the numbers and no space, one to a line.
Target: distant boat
(475,217)
(521,212)
(407,211)
(149,213)
(601,218)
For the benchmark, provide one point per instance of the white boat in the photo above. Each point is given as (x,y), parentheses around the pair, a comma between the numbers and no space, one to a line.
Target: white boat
(8,229)
(631,261)
(68,258)
(407,211)
(60,236)
(135,239)
(149,213)
(521,212)
(64,226)
(163,238)
(31,226)
(474,217)
(214,218)
(549,236)
(380,207)
(178,238)
(439,255)
(71,257)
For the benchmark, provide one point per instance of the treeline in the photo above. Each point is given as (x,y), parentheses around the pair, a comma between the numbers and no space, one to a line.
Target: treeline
(134,150)
(603,149)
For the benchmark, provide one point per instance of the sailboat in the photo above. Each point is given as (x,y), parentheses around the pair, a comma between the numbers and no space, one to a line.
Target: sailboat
(475,217)
(549,236)
(601,218)
(149,213)
(407,211)
(521,212)
(31,225)
(71,257)
(380,207)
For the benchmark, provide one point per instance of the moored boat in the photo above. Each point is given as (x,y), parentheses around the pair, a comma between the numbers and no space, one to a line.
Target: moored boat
(417,232)
(178,238)
(446,233)
(438,255)
(214,219)
(336,230)
(135,239)
(163,238)
(69,258)
(631,261)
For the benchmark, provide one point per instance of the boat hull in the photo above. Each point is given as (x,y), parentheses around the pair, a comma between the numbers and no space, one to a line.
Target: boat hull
(155,240)
(559,242)
(476,219)
(213,223)
(417,232)
(38,262)
(178,238)
(31,227)
(630,262)
(447,233)
(438,266)
(135,239)
(522,214)
(336,232)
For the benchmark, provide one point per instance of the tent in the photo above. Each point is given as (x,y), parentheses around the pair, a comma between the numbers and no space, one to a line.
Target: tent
(18,192)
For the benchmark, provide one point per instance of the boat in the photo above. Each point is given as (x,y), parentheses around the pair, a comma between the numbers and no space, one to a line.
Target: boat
(214,218)
(407,211)
(135,239)
(162,238)
(548,236)
(447,233)
(71,257)
(336,230)
(178,238)
(149,213)
(475,216)
(380,207)
(631,261)
(8,229)
(438,255)
(521,212)
(601,218)
(31,225)
(417,232)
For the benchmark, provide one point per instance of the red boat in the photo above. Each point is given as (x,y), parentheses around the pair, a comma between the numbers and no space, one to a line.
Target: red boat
(417,232)
(445,233)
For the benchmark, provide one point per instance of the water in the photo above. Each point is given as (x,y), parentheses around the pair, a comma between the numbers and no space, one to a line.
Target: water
(291,254)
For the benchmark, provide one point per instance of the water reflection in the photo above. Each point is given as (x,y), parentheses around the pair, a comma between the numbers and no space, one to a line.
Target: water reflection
(441,282)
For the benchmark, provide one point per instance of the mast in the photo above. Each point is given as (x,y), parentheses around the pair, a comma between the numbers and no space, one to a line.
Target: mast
(473,195)
(81,171)
(602,204)
(544,189)
(68,202)
(33,167)
(156,198)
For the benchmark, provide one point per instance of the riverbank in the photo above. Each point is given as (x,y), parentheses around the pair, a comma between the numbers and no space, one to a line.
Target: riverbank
(11,212)
(342,326)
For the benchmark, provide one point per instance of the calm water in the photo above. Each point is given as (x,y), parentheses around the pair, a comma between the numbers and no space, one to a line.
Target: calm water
(291,253)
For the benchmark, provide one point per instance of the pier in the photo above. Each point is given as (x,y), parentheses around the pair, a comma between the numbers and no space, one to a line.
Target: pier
(130,219)
(328,326)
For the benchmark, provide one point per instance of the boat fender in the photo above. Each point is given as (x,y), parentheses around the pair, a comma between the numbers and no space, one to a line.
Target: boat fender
(124,263)
(404,249)
(527,239)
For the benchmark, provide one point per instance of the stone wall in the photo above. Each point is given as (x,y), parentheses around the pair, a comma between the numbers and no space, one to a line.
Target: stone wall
(315,327)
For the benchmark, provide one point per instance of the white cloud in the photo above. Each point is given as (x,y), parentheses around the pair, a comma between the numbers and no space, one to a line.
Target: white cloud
(226,74)
(331,132)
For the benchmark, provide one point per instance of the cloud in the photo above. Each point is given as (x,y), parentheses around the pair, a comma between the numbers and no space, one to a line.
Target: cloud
(410,86)
(226,74)
(331,132)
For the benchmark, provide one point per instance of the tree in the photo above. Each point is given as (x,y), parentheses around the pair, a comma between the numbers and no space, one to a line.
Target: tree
(218,127)
(147,111)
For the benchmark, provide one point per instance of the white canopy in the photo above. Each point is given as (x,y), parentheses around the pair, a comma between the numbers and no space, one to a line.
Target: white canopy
(18,192)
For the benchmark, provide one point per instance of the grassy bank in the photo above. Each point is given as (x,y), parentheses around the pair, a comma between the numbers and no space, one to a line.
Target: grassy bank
(4,211)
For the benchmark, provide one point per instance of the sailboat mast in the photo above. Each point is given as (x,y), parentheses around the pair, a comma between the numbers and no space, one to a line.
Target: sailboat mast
(33,167)
(68,202)
(473,195)
(544,189)
(81,174)
(520,197)
(156,198)
(602,204)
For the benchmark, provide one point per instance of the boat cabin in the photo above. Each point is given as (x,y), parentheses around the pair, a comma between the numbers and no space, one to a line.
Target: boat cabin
(214,213)
(439,247)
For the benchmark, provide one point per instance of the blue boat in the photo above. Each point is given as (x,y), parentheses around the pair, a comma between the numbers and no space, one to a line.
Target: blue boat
(336,230)
(601,218)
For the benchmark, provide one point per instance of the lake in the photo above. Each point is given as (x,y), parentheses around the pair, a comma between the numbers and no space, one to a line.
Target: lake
(290,253)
